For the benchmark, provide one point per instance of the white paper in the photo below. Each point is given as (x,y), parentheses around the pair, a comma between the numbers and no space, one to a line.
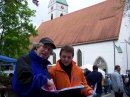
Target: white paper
(94,91)
(79,88)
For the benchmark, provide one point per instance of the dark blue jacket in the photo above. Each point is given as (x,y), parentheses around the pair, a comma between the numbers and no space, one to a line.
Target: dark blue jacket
(93,78)
(30,75)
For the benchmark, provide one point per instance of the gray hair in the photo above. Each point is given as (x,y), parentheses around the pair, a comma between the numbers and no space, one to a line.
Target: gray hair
(36,44)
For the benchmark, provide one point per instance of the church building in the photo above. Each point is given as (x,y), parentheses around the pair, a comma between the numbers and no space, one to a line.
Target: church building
(57,8)
(100,34)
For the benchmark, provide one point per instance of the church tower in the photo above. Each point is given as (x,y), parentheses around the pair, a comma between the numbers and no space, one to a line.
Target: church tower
(57,8)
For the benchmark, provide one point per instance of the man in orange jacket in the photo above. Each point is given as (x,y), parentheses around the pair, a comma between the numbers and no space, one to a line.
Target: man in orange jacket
(67,74)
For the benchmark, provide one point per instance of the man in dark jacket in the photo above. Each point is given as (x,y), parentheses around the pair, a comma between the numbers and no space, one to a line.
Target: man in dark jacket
(93,78)
(31,71)
(86,72)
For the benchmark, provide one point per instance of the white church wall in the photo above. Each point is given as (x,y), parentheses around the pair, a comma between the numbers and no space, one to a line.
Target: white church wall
(57,51)
(51,59)
(119,58)
(123,37)
(64,9)
(59,10)
(52,2)
(90,52)
(56,9)
(51,10)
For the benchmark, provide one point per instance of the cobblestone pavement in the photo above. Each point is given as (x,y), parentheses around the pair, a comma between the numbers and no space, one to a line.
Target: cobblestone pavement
(112,95)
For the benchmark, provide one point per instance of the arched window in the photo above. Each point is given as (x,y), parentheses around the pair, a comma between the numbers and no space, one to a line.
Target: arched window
(61,14)
(79,58)
(54,58)
(101,64)
(51,16)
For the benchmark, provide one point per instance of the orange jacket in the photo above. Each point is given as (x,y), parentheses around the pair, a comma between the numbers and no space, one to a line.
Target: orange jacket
(61,79)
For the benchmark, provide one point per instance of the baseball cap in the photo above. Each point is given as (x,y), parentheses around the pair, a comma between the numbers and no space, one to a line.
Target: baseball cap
(46,40)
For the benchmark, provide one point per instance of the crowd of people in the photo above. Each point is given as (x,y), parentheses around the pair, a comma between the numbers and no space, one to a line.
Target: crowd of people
(115,81)
(31,74)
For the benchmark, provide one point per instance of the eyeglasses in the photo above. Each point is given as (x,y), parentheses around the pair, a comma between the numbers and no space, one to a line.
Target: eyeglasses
(46,47)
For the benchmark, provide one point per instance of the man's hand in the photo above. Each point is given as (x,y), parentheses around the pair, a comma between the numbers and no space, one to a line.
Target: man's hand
(91,92)
(120,92)
(50,85)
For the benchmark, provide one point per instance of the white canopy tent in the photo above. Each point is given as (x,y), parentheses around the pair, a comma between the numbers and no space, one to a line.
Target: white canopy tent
(90,67)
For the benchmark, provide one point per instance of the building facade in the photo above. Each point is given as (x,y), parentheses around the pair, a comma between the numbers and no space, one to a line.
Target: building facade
(99,34)
(57,8)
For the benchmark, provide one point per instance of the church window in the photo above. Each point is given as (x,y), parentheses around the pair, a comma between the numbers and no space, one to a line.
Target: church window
(61,14)
(79,58)
(51,16)
(54,58)
(51,8)
(101,64)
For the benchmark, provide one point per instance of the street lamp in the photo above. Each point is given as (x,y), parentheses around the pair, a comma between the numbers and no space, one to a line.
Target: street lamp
(126,54)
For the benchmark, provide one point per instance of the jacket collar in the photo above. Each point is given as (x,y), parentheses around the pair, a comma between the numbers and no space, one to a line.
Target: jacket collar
(116,71)
(60,69)
(38,59)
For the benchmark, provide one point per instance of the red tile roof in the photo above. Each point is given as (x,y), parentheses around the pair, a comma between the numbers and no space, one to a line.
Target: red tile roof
(97,23)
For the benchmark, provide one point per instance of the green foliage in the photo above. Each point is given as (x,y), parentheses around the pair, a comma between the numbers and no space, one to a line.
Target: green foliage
(16,18)
(2,69)
(4,79)
(121,5)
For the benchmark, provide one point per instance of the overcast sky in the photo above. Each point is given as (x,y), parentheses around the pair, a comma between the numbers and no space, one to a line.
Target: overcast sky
(42,9)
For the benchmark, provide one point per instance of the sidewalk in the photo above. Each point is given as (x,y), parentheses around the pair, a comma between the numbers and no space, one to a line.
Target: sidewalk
(112,94)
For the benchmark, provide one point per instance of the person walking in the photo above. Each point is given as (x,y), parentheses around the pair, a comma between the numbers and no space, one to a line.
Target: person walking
(31,71)
(106,84)
(109,84)
(93,78)
(67,74)
(86,72)
(127,86)
(128,83)
(117,82)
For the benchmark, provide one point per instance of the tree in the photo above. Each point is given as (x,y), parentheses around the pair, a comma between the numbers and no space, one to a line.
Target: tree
(126,8)
(18,28)
(34,1)
(127,5)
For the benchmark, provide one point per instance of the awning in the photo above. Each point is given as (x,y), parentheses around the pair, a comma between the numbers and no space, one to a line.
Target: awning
(7,59)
